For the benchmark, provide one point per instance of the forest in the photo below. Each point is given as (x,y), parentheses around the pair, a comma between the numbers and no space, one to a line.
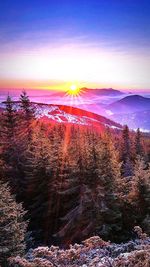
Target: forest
(63,183)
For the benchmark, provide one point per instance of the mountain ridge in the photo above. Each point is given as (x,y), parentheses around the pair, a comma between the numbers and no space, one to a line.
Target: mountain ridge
(67,114)
(130,104)
(103,91)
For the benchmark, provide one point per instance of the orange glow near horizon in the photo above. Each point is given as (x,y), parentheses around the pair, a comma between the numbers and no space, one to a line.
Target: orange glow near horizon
(59,85)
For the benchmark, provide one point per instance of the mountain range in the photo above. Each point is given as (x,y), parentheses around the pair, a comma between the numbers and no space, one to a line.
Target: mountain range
(115,105)
(103,92)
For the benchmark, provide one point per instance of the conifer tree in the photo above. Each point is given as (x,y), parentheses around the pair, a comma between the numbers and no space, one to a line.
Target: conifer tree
(9,124)
(26,106)
(10,142)
(126,157)
(140,194)
(1,147)
(109,222)
(28,115)
(12,226)
(138,144)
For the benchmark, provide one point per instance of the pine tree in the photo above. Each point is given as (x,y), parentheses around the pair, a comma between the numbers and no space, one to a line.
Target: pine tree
(109,222)
(10,143)
(1,147)
(140,194)
(126,157)
(138,144)
(26,106)
(28,115)
(12,226)
(9,124)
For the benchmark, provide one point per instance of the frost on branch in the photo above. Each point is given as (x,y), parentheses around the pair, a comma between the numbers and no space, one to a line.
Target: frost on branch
(94,252)
(12,226)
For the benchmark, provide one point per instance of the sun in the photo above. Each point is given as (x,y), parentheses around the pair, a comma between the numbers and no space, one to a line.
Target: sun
(73,90)
(73,87)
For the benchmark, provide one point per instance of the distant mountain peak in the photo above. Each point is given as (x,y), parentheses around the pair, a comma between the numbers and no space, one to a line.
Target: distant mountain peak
(103,91)
(130,104)
(134,97)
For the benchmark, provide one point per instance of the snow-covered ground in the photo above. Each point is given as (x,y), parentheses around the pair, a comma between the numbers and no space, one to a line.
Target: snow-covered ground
(65,114)
(93,252)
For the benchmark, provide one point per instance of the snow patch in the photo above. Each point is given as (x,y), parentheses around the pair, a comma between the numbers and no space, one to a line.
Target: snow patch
(109,112)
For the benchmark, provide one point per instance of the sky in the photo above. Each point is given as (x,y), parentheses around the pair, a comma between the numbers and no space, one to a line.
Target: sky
(51,44)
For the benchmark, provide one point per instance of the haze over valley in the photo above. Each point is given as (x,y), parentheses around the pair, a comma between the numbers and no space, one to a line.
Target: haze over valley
(121,106)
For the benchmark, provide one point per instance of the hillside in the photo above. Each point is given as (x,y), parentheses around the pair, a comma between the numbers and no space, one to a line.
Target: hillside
(67,114)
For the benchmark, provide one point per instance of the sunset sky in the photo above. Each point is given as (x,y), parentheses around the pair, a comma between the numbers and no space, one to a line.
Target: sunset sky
(56,43)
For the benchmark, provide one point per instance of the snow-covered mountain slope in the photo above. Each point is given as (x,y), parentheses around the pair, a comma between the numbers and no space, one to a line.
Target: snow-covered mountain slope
(67,114)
